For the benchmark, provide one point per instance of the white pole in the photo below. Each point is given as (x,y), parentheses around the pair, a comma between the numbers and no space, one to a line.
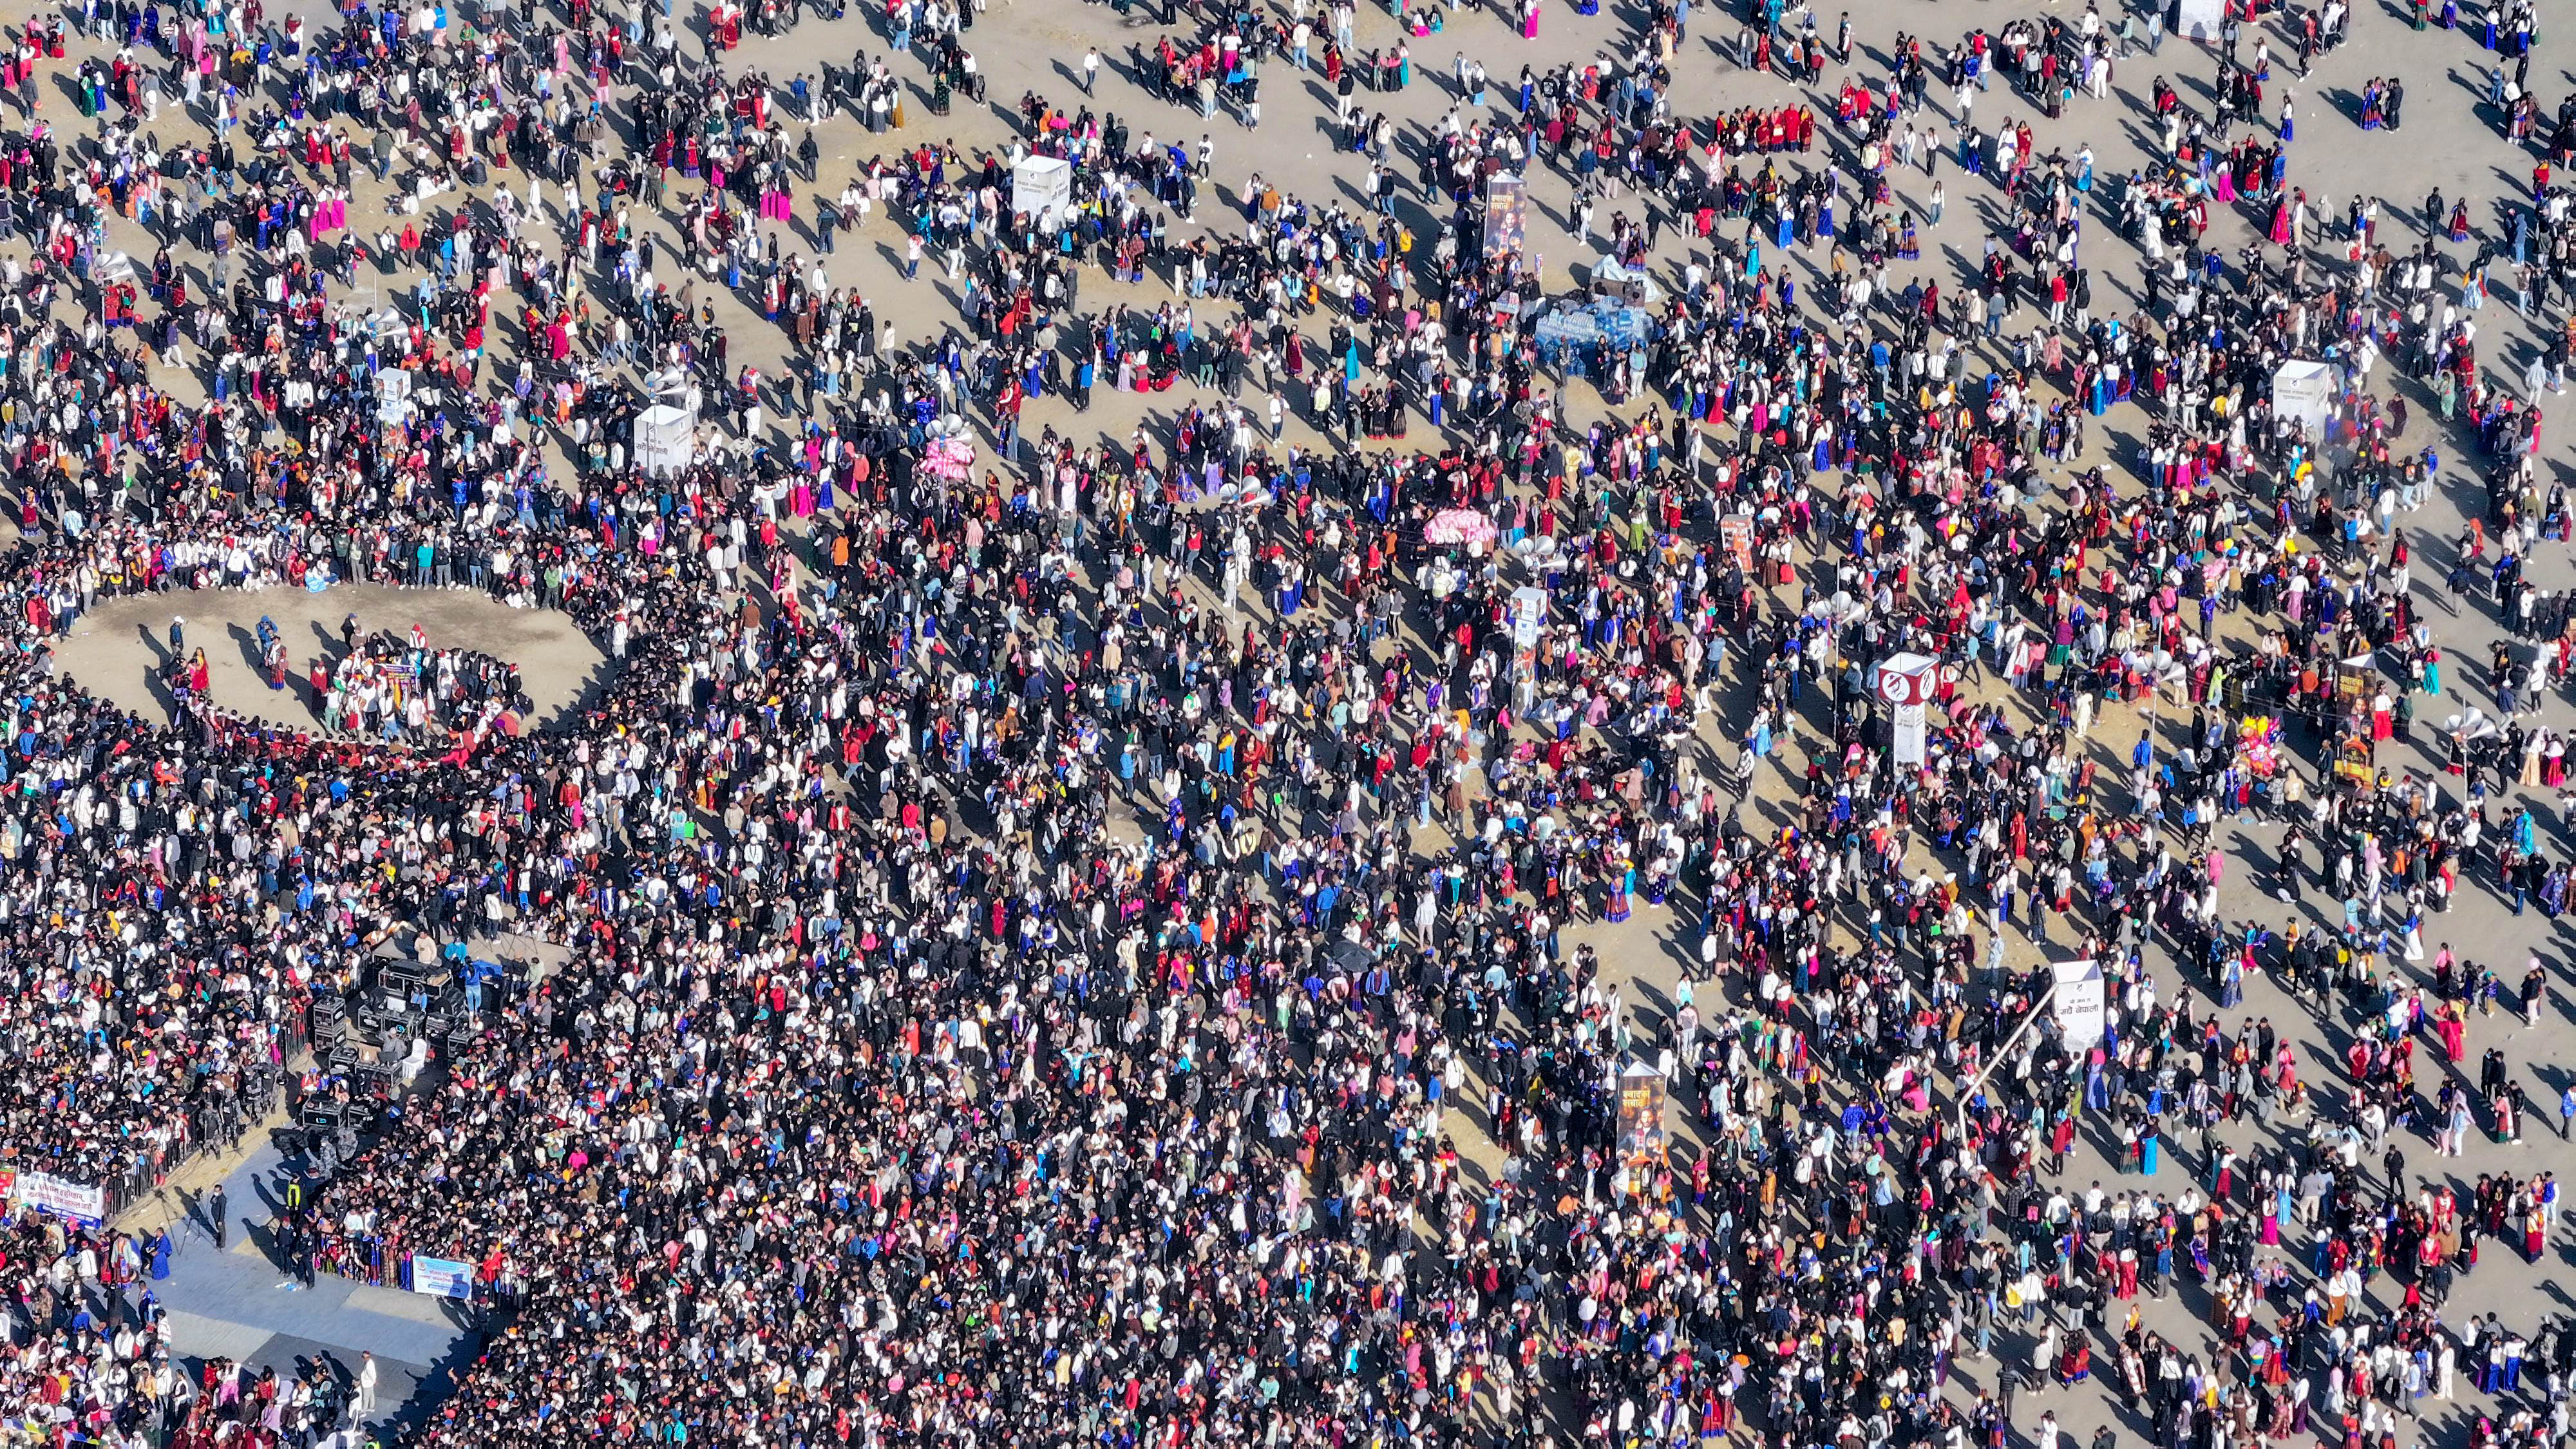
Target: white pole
(1975,1083)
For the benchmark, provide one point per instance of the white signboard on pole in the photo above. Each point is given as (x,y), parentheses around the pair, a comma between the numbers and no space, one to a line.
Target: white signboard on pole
(1529,615)
(2081,1007)
(1907,682)
(1910,736)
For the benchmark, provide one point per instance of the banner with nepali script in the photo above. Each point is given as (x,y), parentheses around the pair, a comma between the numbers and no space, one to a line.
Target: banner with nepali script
(82,1202)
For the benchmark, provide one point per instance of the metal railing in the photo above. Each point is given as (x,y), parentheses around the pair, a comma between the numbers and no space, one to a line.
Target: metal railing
(369,1258)
(382,1261)
(216,1125)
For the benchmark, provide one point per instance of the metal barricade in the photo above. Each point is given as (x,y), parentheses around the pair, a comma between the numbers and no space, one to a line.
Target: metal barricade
(216,1125)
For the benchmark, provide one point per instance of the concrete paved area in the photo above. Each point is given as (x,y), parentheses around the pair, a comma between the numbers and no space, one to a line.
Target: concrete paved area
(241,1303)
(120,648)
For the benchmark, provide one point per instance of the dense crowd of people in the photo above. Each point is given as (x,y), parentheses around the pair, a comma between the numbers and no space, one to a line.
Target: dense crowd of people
(1096,942)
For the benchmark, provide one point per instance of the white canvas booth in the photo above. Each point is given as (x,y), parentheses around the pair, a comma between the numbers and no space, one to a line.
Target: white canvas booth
(2305,390)
(1042,187)
(665,438)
